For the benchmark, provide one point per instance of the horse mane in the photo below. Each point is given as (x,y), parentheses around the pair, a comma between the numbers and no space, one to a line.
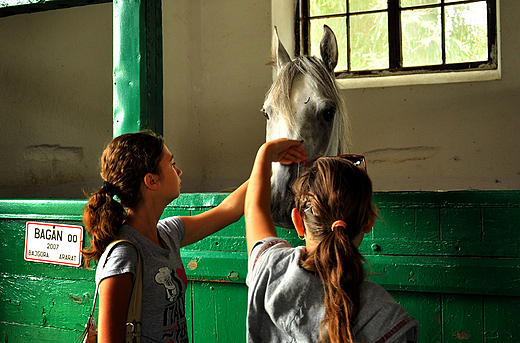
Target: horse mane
(280,93)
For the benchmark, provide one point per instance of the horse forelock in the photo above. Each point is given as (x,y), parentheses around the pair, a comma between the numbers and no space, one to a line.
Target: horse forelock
(279,98)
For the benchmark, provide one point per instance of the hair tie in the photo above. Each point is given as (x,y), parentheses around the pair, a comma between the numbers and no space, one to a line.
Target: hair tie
(338,223)
(110,188)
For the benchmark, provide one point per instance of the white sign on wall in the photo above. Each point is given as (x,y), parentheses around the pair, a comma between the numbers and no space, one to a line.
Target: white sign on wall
(53,243)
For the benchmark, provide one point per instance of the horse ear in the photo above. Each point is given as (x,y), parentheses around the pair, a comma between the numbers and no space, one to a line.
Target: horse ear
(329,48)
(280,55)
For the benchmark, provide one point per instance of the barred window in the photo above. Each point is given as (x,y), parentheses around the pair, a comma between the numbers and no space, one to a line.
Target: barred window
(402,36)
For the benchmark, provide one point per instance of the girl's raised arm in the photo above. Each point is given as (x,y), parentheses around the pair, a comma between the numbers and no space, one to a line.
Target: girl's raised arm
(227,212)
(257,210)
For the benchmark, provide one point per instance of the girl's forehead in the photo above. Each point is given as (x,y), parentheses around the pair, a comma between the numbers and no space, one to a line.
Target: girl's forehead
(166,153)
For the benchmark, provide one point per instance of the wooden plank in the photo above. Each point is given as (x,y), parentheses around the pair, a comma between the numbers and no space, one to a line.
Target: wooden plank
(462,319)
(394,223)
(386,247)
(188,297)
(417,274)
(499,225)
(34,210)
(46,302)
(501,319)
(427,224)
(446,248)
(505,198)
(426,309)
(16,333)
(215,266)
(461,224)
(219,312)
(446,275)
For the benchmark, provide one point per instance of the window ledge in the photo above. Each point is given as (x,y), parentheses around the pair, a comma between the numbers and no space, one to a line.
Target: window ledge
(418,79)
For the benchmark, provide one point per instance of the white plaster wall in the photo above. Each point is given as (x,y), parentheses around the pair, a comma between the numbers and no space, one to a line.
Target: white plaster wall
(215,53)
(55,101)
(56,104)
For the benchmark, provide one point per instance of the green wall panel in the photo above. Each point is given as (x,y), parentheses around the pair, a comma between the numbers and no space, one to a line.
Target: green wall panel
(501,319)
(427,224)
(395,223)
(14,332)
(461,224)
(462,317)
(497,224)
(451,259)
(219,312)
(426,309)
(45,301)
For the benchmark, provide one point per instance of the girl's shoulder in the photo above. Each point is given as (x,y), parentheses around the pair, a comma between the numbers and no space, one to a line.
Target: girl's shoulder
(275,257)
(172,224)
(173,229)
(121,259)
(273,247)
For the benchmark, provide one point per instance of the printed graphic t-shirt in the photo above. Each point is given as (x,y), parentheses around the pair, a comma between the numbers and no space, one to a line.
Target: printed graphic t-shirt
(164,279)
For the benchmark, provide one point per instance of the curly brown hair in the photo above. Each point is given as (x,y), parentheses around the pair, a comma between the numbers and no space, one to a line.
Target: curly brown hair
(124,164)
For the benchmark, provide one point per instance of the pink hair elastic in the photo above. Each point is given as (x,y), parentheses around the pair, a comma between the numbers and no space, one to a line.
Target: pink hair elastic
(338,223)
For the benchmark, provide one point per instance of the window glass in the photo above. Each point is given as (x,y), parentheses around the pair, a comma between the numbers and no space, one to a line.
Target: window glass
(367,5)
(466,32)
(326,7)
(422,44)
(369,41)
(409,3)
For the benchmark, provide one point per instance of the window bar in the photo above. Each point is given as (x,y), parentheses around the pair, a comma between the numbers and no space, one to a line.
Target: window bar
(443,32)
(347,25)
(305,25)
(492,30)
(394,35)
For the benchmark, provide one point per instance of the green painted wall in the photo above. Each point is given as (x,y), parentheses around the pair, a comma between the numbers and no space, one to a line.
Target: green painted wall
(452,259)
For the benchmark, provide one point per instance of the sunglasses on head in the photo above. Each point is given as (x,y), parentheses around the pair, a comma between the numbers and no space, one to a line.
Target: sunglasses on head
(357,160)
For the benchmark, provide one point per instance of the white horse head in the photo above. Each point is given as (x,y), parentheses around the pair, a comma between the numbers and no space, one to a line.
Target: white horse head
(304,104)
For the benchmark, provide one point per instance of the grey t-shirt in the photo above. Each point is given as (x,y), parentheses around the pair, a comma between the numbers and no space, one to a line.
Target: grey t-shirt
(285,302)
(164,279)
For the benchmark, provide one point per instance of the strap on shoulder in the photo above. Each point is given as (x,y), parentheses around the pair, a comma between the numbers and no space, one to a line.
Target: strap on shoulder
(136,299)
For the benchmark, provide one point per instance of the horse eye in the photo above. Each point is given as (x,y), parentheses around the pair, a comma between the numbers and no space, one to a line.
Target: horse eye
(266,115)
(328,114)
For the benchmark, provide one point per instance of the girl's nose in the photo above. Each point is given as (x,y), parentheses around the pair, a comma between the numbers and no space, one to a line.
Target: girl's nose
(179,172)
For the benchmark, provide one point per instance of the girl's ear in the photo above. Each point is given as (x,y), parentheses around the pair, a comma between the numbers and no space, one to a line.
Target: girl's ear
(371,222)
(150,181)
(298,222)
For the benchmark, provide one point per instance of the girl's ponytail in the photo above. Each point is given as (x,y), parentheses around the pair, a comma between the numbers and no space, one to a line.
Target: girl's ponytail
(339,265)
(334,199)
(102,216)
